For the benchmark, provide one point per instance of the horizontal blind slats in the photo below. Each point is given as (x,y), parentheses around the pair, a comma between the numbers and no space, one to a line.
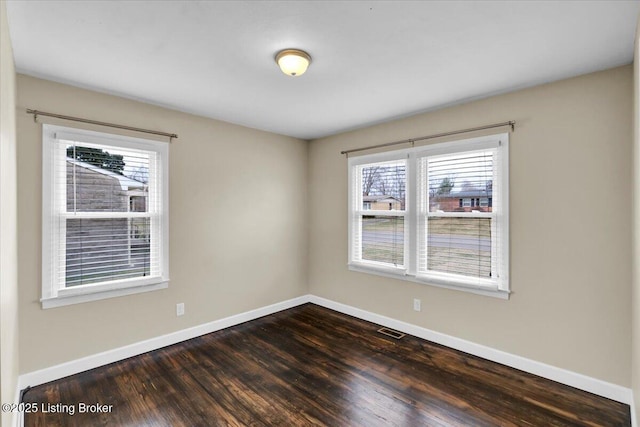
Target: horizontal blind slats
(118,186)
(380,236)
(460,235)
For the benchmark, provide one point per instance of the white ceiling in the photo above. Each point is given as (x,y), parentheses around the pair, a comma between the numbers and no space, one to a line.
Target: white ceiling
(372,61)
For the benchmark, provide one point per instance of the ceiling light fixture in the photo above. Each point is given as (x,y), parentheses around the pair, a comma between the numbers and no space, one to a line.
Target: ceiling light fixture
(293,62)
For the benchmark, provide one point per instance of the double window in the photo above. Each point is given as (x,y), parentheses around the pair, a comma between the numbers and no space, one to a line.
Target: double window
(448,221)
(105,217)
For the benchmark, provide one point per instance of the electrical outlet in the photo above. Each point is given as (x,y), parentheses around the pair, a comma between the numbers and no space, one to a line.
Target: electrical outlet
(180,309)
(417,305)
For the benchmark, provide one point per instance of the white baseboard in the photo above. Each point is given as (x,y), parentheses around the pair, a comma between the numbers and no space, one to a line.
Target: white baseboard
(634,419)
(573,379)
(62,370)
(583,382)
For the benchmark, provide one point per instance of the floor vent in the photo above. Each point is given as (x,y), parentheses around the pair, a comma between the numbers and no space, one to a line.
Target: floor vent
(391,333)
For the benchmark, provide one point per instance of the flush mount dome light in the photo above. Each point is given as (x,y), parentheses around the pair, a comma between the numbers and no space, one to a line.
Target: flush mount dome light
(293,62)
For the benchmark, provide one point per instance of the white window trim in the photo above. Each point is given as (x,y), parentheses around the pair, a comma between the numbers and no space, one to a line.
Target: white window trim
(486,287)
(51,295)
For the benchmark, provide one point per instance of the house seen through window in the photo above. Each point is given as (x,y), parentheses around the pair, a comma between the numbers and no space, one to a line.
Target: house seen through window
(102,249)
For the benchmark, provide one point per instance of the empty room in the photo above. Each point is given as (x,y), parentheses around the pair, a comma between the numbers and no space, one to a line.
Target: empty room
(319,213)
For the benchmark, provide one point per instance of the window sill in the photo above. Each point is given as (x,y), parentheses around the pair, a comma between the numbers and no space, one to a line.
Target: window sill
(61,301)
(378,269)
(485,291)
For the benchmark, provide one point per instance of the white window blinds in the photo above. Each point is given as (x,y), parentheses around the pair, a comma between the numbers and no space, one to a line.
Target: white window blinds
(379,213)
(460,206)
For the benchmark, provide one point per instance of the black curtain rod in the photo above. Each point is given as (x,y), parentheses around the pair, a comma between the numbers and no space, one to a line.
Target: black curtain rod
(438,135)
(37,113)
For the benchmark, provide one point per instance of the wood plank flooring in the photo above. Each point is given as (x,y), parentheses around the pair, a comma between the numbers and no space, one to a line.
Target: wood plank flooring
(310,366)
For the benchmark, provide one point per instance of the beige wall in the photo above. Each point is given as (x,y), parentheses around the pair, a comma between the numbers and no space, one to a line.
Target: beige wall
(8,221)
(570,207)
(238,235)
(635,343)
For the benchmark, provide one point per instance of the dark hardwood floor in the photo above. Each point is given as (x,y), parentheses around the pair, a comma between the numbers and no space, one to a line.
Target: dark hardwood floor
(313,366)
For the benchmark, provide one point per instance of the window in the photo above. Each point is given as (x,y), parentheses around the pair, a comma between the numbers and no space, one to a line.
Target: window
(105,216)
(380,231)
(451,225)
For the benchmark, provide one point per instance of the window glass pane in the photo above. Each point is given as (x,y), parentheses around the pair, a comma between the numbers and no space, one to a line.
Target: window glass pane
(383,239)
(100,250)
(106,180)
(383,185)
(459,182)
(459,246)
